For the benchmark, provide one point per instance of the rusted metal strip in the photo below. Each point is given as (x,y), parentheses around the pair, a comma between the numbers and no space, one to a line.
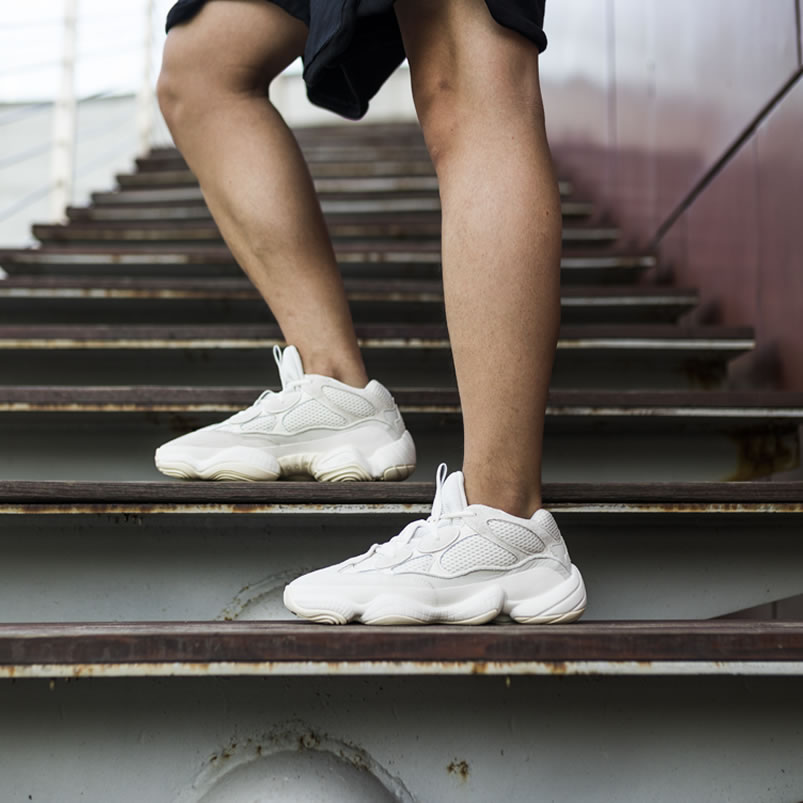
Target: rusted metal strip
(269,642)
(178,669)
(361,509)
(648,496)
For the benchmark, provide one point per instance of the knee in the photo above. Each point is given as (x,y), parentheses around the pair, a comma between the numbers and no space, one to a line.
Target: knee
(193,82)
(169,93)
(180,86)
(458,110)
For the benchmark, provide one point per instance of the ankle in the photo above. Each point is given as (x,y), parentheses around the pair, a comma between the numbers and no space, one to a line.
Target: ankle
(516,498)
(347,373)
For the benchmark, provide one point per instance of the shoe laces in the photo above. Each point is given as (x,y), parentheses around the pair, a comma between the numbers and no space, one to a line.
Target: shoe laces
(287,384)
(424,531)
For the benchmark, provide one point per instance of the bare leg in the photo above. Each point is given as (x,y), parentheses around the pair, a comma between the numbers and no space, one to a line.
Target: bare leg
(213,93)
(478,98)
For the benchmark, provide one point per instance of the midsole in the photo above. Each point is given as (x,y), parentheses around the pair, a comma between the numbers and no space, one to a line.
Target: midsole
(400,452)
(511,586)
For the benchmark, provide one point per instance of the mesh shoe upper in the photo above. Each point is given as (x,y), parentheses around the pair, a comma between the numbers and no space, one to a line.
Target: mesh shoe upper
(457,540)
(307,405)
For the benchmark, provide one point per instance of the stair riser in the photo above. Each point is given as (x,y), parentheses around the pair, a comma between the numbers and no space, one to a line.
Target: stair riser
(418,266)
(355,154)
(403,367)
(340,169)
(326,187)
(154,239)
(109,446)
(442,739)
(333,210)
(203,311)
(95,568)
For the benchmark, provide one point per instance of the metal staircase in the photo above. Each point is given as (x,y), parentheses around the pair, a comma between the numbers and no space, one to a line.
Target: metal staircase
(145,653)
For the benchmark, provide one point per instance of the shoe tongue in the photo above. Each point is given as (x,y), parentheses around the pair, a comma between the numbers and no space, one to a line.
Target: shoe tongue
(290,366)
(451,496)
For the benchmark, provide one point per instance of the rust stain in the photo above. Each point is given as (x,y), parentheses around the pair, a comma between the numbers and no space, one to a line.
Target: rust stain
(133,510)
(309,741)
(460,769)
(479,668)
(705,374)
(762,453)
(558,668)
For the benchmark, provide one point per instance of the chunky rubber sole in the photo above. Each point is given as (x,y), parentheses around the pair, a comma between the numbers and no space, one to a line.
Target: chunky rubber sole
(392,462)
(480,603)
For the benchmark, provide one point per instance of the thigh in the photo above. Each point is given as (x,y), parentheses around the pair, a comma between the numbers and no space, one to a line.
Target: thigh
(457,51)
(238,44)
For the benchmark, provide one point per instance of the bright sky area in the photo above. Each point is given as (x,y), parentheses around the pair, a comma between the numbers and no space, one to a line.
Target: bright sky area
(110,45)
(111,36)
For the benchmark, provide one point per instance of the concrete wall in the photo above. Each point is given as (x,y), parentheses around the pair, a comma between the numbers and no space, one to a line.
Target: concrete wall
(685,120)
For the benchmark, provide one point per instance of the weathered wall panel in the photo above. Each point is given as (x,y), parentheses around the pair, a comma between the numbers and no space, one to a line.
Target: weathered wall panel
(780,218)
(717,64)
(578,92)
(653,114)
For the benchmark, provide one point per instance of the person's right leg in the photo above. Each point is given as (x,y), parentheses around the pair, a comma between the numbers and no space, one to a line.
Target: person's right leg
(328,422)
(213,92)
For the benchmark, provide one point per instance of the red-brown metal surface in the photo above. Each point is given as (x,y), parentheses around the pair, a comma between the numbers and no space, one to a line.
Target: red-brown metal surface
(649,100)
(780,209)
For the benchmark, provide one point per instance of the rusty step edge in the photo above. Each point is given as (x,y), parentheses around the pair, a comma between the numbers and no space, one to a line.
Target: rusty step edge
(208,648)
(666,494)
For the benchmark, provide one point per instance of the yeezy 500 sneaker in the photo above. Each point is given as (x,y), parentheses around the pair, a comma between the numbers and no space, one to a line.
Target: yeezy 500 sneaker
(465,564)
(315,426)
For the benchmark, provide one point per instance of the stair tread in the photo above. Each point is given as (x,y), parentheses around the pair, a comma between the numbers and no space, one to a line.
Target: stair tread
(438,649)
(60,492)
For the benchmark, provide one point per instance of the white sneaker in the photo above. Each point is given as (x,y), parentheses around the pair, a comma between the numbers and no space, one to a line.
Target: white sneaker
(466,564)
(315,426)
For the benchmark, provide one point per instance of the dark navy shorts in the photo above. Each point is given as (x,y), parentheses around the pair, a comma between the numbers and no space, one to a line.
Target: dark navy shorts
(354,45)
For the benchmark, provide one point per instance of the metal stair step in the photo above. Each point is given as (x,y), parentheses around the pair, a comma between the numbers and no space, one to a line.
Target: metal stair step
(362,187)
(400,227)
(656,497)
(408,259)
(406,167)
(173,160)
(61,299)
(110,433)
(226,550)
(657,356)
(209,648)
(426,205)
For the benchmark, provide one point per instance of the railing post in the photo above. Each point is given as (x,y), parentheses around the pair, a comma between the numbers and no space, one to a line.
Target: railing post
(145,98)
(62,159)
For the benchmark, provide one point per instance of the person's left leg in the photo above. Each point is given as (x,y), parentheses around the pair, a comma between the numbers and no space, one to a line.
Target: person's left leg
(477,93)
(488,548)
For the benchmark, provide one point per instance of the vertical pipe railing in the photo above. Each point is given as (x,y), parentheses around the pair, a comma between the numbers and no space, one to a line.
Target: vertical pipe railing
(145,96)
(64,118)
